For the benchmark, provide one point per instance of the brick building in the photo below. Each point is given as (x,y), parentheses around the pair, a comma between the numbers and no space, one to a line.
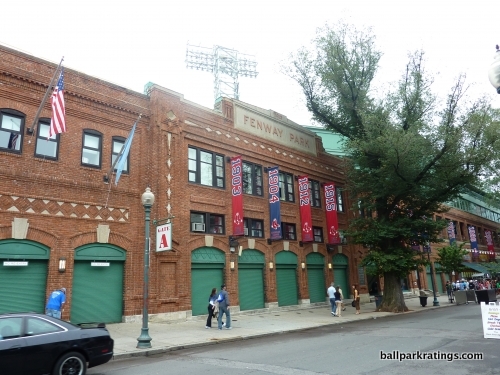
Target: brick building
(61,225)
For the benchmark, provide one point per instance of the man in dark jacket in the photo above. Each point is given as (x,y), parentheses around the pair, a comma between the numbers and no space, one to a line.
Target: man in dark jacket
(224,307)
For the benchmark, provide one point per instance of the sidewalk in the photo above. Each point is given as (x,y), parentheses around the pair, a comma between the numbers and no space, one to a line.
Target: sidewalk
(176,335)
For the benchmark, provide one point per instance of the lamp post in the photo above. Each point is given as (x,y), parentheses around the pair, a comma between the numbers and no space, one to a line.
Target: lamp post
(494,71)
(435,302)
(144,340)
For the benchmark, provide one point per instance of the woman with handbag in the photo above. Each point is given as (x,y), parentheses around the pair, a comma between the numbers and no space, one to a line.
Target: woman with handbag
(211,307)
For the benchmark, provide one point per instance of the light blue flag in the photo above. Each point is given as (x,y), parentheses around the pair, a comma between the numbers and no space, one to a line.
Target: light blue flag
(124,155)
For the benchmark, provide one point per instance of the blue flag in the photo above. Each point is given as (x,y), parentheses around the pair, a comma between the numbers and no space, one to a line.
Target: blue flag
(124,155)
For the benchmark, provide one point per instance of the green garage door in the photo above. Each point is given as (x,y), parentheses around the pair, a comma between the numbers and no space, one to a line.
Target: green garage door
(207,272)
(251,280)
(286,278)
(23,287)
(97,292)
(340,276)
(316,277)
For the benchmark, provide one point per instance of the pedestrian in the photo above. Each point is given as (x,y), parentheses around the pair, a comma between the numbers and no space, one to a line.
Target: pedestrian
(356,298)
(211,307)
(449,290)
(338,302)
(55,303)
(341,297)
(331,294)
(224,305)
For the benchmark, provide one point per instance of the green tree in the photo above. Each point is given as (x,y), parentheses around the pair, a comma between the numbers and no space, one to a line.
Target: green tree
(451,257)
(407,150)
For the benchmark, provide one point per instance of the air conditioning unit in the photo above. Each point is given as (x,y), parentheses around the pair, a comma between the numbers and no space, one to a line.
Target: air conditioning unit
(198,227)
(246,231)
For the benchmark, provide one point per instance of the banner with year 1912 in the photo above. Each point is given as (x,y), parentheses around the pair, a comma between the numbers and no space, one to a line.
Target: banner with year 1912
(305,209)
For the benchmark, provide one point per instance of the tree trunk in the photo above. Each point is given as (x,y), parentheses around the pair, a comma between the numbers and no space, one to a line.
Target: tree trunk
(393,300)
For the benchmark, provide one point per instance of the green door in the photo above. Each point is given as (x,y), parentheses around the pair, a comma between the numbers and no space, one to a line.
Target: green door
(286,278)
(251,279)
(439,280)
(316,277)
(251,288)
(202,282)
(22,288)
(316,282)
(97,294)
(207,272)
(340,277)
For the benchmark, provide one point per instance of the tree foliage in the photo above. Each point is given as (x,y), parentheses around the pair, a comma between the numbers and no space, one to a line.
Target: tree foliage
(451,257)
(408,150)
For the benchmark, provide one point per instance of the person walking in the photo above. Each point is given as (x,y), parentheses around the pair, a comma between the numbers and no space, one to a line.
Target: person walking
(211,307)
(331,294)
(338,302)
(55,303)
(356,299)
(341,297)
(224,305)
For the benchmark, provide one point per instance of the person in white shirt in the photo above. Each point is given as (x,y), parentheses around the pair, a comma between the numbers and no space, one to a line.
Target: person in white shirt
(331,294)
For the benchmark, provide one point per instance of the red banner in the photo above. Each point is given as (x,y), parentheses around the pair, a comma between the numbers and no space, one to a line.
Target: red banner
(489,243)
(305,209)
(237,193)
(332,223)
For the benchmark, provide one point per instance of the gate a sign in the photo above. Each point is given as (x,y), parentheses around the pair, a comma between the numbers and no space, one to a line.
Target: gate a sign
(164,237)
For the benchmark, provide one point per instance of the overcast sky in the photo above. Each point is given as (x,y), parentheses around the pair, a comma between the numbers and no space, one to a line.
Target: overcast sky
(131,43)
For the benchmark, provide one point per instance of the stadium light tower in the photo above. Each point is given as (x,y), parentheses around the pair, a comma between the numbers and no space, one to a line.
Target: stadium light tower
(226,64)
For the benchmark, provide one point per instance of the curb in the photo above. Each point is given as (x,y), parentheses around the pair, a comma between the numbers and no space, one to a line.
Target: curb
(168,349)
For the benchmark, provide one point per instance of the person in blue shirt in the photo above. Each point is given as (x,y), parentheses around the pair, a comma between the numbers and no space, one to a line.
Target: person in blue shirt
(55,303)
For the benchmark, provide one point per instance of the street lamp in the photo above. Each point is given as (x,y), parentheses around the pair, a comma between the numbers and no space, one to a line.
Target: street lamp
(144,340)
(435,302)
(494,71)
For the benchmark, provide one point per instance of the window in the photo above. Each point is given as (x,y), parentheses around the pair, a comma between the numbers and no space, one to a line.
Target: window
(46,147)
(92,147)
(252,179)
(37,326)
(207,223)
(254,228)
(11,130)
(205,168)
(10,328)
(340,201)
(315,193)
(117,145)
(318,234)
(288,231)
(286,187)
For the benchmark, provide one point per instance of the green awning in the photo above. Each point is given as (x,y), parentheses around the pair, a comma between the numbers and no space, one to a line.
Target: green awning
(476,267)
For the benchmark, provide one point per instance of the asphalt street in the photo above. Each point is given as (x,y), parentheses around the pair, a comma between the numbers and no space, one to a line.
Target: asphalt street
(350,348)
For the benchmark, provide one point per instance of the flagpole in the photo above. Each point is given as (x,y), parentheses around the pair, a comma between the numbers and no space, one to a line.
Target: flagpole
(35,120)
(106,176)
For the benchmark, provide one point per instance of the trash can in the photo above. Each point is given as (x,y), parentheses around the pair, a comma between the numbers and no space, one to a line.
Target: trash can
(486,296)
(423,301)
(378,301)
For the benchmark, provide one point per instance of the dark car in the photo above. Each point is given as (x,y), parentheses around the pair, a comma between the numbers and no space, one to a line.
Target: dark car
(37,344)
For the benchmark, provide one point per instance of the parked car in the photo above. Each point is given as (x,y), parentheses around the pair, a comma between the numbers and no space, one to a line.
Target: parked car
(36,344)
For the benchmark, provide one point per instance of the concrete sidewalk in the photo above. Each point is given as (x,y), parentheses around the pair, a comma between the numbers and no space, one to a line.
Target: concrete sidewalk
(176,335)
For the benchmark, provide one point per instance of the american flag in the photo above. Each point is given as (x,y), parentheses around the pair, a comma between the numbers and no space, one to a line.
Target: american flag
(13,141)
(58,121)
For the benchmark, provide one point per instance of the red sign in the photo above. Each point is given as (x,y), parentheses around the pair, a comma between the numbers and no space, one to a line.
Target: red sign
(237,193)
(332,223)
(305,209)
